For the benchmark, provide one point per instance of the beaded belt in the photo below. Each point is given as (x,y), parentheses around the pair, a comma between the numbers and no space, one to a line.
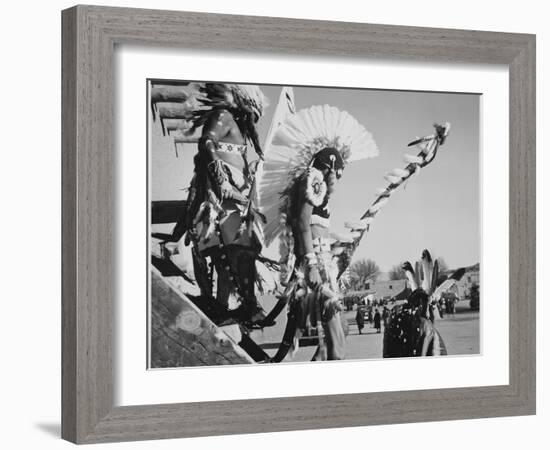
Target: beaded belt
(231,148)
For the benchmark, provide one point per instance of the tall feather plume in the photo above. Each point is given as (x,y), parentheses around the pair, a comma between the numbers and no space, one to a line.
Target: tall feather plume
(419,273)
(428,147)
(427,270)
(409,272)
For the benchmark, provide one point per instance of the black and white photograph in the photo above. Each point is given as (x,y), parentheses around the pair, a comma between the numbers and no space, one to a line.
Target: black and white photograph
(270,225)
(294,224)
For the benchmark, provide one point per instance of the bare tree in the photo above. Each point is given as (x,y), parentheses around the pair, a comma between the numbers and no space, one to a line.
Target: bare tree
(362,271)
(397,273)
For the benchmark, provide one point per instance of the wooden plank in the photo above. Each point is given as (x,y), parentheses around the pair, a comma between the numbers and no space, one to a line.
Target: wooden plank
(69,297)
(172,111)
(168,94)
(176,125)
(183,139)
(183,336)
(163,83)
(88,213)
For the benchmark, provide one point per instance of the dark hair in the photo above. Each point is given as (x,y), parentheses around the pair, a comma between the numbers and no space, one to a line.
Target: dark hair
(329,158)
(419,299)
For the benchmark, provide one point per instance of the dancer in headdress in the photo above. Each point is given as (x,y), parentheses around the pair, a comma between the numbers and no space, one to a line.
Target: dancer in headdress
(307,156)
(410,330)
(220,218)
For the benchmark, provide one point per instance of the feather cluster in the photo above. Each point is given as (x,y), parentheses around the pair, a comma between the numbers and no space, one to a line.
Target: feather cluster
(233,96)
(195,102)
(249,96)
(426,276)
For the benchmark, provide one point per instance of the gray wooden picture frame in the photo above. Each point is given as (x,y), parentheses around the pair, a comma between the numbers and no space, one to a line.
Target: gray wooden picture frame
(90,34)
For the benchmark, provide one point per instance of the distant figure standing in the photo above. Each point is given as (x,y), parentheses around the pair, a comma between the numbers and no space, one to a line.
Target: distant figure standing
(360,319)
(385,315)
(377,320)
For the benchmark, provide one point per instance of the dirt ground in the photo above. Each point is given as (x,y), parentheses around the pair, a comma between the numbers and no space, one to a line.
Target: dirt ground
(461,333)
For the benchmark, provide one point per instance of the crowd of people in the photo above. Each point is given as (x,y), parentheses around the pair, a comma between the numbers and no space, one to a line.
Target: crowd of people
(372,312)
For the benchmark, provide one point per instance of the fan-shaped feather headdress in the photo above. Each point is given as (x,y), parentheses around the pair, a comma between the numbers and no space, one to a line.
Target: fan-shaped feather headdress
(294,145)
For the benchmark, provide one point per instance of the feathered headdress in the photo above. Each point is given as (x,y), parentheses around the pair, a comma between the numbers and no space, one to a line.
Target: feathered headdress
(241,97)
(191,105)
(426,276)
(246,102)
(248,96)
(294,145)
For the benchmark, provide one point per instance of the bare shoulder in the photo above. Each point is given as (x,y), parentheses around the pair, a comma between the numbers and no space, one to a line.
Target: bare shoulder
(223,118)
(218,124)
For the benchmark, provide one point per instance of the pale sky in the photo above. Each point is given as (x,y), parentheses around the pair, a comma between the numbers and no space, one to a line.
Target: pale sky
(439,209)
